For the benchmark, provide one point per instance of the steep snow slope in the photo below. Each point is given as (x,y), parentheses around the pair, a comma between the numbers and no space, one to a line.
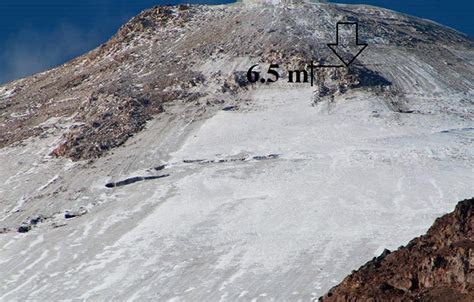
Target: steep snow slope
(345,185)
(278,198)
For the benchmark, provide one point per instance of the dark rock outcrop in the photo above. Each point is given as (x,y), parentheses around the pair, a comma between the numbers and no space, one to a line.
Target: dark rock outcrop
(132,180)
(75,213)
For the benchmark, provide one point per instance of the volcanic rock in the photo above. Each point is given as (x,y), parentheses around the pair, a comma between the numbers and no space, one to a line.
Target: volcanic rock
(437,266)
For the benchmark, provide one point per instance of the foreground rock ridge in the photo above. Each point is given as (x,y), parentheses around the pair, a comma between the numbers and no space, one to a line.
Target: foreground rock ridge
(437,266)
(151,169)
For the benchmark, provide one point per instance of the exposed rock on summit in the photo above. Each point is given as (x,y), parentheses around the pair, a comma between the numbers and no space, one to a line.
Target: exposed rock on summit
(185,53)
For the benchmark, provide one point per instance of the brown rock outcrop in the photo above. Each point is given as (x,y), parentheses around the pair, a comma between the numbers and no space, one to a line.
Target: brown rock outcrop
(197,55)
(438,266)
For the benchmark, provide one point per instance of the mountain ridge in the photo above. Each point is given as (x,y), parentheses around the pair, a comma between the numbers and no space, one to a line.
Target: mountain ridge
(171,20)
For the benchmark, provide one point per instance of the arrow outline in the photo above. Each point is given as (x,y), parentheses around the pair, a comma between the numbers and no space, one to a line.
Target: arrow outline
(330,45)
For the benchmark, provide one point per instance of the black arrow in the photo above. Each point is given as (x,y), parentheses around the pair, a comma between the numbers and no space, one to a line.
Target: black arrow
(348,49)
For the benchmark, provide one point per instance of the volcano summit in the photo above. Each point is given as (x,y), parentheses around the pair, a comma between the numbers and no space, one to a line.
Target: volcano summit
(151,168)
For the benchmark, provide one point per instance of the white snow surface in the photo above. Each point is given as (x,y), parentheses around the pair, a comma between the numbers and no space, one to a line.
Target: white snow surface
(351,179)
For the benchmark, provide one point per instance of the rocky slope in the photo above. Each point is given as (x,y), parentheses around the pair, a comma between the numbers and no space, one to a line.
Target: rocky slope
(150,168)
(158,57)
(438,266)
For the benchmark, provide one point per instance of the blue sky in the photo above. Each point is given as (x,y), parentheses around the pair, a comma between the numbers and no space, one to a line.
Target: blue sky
(38,34)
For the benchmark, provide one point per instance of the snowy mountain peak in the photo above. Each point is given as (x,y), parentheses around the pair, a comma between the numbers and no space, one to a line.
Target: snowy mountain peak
(155,168)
